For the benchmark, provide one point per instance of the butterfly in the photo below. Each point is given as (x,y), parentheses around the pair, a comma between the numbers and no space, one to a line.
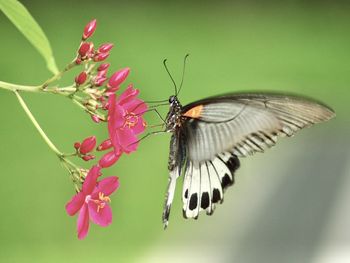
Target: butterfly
(210,135)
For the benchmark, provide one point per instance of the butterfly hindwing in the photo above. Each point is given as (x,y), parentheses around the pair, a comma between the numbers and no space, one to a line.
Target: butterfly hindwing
(177,158)
(209,180)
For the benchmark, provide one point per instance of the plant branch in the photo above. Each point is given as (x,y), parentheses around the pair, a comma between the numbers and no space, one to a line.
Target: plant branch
(15,87)
(37,126)
(59,154)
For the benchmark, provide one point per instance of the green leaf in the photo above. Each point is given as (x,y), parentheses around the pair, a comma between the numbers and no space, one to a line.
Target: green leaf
(27,25)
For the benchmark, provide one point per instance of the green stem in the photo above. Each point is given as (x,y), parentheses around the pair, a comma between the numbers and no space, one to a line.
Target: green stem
(37,126)
(15,87)
(58,75)
(59,154)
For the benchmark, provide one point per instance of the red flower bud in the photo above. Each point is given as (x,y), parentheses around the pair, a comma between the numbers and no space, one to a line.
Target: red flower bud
(85,48)
(81,78)
(107,144)
(108,159)
(105,47)
(89,29)
(99,81)
(95,118)
(102,73)
(88,157)
(77,145)
(78,61)
(88,145)
(101,56)
(117,78)
(113,89)
(103,66)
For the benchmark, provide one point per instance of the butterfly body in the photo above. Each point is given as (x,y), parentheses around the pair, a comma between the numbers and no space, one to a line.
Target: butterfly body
(209,135)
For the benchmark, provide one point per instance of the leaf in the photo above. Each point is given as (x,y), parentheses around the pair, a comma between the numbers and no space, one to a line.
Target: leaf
(27,25)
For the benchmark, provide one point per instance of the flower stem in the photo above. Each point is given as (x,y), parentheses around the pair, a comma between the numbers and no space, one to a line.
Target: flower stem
(67,163)
(15,87)
(37,126)
(58,75)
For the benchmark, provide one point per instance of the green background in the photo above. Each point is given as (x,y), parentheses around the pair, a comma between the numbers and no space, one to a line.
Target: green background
(288,205)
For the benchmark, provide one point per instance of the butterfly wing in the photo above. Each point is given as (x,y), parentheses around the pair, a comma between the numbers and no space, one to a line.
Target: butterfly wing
(177,158)
(218,130)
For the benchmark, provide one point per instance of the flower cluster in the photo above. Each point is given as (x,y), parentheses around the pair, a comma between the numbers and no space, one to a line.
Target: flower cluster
(96,93)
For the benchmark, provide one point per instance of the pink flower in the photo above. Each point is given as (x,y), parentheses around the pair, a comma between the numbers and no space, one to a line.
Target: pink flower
(125,119)
(125,122)
(92,201)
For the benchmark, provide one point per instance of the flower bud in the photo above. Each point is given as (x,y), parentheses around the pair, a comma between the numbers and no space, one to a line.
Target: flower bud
(117,78)
(89,29)
(101,56)
(103,66)
(99,81)
(88,145)
(78,61)
(77,145)
(95,118)
(88,157)
(107,144)
(108,159)
(93,103)
(105,47)
(85,48)
(102,73)
(81,78)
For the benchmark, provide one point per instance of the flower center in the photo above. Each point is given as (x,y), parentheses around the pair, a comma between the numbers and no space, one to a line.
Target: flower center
(100,202)
(131,119)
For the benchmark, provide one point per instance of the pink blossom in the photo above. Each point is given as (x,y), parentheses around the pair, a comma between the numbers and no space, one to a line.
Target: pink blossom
(125,120)
(92,201)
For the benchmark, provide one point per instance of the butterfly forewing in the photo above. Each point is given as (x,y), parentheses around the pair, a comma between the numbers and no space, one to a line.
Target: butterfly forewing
(252,125)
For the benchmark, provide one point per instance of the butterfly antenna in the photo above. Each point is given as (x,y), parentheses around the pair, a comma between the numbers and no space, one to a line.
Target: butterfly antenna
(183,71)
(167,70)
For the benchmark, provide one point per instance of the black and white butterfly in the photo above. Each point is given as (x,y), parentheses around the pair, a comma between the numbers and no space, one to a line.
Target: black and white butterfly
(210,135)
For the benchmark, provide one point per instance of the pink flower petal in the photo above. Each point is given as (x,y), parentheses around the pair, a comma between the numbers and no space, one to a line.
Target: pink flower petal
(90,180)
(107,186)
(129,94)
(83,222)
(136,106)
(115,141)
(104,215)
(127,140)
(74,205)
(109,159)
(139,127)
(116,120)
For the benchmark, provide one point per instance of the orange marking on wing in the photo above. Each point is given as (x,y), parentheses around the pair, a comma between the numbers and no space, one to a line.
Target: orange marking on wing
(195,112)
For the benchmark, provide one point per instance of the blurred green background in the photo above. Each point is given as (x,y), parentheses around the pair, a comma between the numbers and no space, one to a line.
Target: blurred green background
(288,205)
